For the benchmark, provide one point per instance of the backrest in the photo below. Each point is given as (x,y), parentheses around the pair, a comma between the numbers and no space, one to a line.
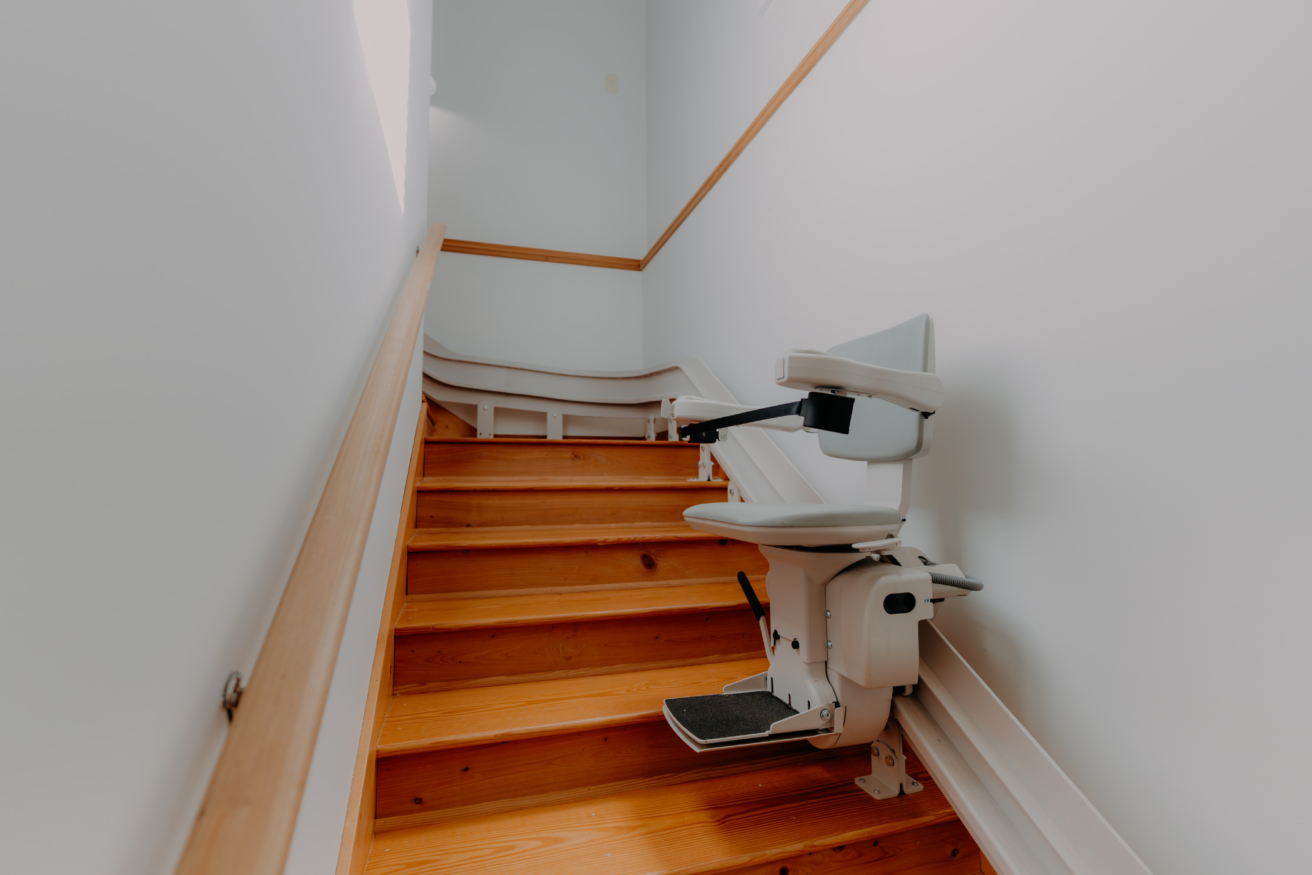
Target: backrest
(882,431)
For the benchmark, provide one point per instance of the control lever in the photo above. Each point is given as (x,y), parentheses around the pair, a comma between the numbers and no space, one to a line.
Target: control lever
(758,611)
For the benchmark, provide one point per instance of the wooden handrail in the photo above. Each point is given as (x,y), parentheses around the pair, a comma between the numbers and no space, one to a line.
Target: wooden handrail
(246,821)
(556,256)
(827,39)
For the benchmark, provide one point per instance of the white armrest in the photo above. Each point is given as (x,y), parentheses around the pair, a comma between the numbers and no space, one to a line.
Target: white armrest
(807,369)
(689,408)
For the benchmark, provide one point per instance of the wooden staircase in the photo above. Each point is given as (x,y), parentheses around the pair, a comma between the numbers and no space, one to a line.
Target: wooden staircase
(553,598)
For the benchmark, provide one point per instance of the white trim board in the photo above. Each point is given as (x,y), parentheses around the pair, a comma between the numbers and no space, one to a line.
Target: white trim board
(1027,816)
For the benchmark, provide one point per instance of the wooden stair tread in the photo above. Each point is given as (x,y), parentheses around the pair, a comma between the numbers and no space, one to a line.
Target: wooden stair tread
(700,826)
(587,534)
(460,718)
(447,614)
(484,484)
(567,442)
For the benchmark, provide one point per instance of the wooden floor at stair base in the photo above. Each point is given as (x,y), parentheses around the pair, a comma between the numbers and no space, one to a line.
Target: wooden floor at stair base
(713,825)
(941,849)
(566,566)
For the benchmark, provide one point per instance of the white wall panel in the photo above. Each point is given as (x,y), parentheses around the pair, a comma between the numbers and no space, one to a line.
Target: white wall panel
(556,315)
(528,148)
(712,65)
(203,238)
(1105,208)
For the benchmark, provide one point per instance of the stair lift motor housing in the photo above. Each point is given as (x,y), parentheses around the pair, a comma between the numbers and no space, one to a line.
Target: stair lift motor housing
(846,598)
(847,638)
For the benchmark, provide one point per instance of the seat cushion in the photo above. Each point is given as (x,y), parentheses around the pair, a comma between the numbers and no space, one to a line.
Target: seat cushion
(801,525)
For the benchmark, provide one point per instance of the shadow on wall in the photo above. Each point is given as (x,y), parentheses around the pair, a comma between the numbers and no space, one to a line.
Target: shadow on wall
(962,491)
(384,28)
(971,468)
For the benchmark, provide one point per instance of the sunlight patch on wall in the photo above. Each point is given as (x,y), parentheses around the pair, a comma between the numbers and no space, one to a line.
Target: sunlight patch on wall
(384,27)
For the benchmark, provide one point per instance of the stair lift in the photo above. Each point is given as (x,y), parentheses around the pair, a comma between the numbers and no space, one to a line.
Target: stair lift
(846,596)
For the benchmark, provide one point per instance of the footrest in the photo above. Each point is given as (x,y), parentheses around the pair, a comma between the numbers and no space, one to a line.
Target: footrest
(732,717)
(740,720)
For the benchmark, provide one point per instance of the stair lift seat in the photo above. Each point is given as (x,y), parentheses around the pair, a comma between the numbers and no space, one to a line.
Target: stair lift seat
(846,598)
(797,525)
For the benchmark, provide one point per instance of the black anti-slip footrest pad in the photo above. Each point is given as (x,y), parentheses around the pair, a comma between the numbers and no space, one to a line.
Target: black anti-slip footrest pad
(714,718)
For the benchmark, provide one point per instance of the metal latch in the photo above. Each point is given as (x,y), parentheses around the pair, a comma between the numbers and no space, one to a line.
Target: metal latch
(232,690)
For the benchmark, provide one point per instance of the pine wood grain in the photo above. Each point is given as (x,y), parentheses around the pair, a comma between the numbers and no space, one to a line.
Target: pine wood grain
(463,718)
(597,534)
(360,811)
(518,506)
(447,425)
(704,826)
(600,485)
(569,458)
(941,849)
(494,655)
(641,560)
(249,811)
(453,614)
(605,760)
(470,247)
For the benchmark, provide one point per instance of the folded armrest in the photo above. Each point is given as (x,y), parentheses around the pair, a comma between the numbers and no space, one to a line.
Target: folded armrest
(809,370)
(689,408)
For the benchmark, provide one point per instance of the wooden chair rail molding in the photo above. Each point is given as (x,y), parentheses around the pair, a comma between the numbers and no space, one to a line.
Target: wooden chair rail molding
(826,41)
(496,249)
(246,821)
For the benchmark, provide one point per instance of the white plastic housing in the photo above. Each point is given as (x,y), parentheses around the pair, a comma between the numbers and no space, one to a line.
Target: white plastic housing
(808,370)
(871,646)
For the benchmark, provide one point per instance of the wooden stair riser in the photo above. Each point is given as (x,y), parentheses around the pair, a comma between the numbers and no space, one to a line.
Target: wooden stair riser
(573,765)
(449,660)
(559,459)
(449,571)
(493,507)
(435,613)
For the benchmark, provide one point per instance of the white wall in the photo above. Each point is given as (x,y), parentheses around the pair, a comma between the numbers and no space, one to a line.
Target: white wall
(316,842)
(1105,208)
(556,315)
(527,148)
(711,68)
(203,238)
